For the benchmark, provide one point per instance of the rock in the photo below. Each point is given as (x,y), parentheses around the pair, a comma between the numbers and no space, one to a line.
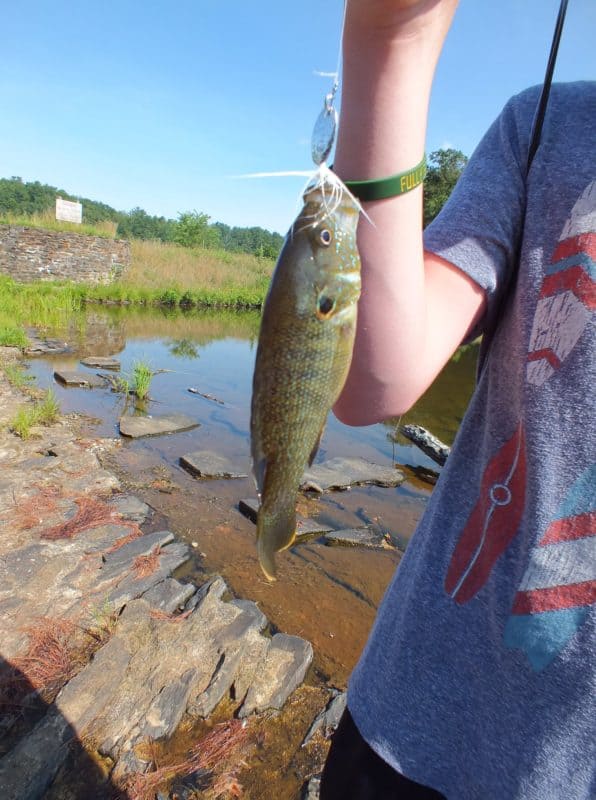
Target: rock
(38,346)
(206,464)
(103,362)
(281,670)
(135,427)
(357,537)
(252,608)
(125,555)
(134,585)
(341,473)
(305,527)
(429,444)
(312,789)
(328,720)
(72,377)
(167,709)
(130,507)
(215,587)
(169,595)
(30,767)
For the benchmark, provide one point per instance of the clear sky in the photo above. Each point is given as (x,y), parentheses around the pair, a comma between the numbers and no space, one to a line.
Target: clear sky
(155,104)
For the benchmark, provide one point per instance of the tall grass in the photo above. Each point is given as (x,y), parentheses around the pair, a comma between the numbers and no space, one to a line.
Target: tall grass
(46,220)
(45,305)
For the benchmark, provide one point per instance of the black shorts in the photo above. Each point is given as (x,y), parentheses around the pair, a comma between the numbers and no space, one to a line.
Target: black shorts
(353,771)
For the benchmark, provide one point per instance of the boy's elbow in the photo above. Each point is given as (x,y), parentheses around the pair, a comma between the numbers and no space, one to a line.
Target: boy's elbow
(358,412)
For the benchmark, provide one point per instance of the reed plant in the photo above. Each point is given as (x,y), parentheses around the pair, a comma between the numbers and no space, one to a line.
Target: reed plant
(142,375)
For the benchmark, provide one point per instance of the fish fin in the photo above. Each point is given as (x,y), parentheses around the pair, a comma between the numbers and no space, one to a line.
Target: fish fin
(274,533)
(259,469)
(315,449)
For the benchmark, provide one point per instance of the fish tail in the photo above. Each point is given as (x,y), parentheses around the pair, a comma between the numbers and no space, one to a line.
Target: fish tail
(274,533)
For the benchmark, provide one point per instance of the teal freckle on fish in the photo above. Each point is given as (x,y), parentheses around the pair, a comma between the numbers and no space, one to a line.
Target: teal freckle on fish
(304,353)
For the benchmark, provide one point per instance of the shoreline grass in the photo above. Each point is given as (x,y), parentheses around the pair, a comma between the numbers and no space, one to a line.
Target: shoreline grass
(40,412)
(159,275)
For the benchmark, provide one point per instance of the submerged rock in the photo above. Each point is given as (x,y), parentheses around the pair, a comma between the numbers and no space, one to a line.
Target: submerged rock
(103,362)
(135,427)
(207,464)
(357,537)
(305,526)
(73,377)
(341,473)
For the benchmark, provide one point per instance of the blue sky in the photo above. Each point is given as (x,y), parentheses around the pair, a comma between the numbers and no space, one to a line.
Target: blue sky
(155,104)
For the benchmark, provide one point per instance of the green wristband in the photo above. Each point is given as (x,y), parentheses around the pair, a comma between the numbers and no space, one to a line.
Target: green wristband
(394,185)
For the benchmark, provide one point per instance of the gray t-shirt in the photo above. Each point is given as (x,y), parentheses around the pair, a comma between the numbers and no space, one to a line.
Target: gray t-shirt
(479,677)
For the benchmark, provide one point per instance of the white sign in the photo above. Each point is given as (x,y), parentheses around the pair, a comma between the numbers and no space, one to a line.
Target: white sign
(68,211)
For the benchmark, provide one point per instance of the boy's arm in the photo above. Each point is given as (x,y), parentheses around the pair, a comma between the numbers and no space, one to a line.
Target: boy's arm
(415,308)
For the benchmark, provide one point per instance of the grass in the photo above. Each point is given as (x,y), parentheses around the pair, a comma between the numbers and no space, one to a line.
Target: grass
(141,379)
(17,376)
(47,221)
(40,412)
(11,336)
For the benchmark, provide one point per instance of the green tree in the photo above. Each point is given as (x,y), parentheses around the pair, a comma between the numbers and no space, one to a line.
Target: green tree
(192,229)
(444,168)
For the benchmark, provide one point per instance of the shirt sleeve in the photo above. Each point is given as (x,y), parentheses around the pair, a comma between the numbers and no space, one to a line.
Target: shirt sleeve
(480,227)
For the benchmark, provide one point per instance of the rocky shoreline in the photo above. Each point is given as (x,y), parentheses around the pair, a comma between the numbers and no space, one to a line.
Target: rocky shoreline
(105,650)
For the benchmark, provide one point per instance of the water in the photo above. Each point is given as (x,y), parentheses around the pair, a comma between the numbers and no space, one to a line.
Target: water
(328,595)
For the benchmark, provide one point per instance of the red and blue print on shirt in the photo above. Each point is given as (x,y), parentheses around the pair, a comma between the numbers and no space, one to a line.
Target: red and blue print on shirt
(559,585)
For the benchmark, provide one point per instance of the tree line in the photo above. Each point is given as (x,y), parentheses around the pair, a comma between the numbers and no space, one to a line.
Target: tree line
(194,228)
(191,229)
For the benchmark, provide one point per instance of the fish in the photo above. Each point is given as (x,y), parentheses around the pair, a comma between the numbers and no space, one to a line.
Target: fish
(303,355)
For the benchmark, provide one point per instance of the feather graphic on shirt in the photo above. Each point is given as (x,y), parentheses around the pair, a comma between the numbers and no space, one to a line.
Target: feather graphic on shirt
(493,522)
(559,585)
(568,293)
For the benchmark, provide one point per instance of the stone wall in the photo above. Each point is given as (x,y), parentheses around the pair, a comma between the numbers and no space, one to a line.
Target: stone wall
(33,254)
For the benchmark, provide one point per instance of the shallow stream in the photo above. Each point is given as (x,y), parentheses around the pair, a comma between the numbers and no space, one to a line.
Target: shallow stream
(327,595)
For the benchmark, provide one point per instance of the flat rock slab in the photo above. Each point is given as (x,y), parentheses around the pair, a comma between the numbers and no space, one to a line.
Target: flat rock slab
(341,473)
(103,362)
(429,444)
(135,427)
(130,507)
(305,526)
(72,377)
(207,464)
(44,347)
(357,537)
(280,672)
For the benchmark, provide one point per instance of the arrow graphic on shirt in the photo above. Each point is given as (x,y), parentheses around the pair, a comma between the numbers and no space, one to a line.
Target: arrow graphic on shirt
(493,522)
(559,584)
(568,293)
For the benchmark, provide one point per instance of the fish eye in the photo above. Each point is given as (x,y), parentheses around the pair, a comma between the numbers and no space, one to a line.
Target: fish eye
(325,306)
(325,237)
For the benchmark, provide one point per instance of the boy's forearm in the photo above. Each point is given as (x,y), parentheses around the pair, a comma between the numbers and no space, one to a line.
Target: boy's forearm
(387,79)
